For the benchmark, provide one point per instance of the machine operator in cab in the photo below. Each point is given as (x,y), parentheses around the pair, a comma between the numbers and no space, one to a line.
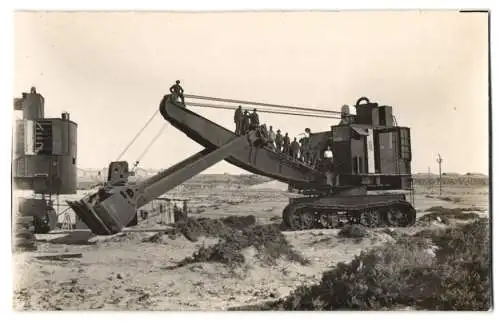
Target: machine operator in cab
(177,90)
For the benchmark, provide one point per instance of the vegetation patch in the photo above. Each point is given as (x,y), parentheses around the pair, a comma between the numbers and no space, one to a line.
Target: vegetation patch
(353,231)
(193,228)
(268,240)
(442,269)
(443,215)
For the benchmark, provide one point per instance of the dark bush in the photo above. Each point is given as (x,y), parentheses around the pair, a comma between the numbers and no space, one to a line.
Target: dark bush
(193,228)
(445,214)
(267,239)
(456,276)
(353,231)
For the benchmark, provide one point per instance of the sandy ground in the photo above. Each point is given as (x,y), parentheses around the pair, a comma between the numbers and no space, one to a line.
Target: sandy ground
(124,272)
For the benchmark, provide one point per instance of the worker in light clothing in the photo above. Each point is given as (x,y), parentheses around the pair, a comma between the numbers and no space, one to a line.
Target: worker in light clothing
(331,176)
(328,154)
(272,138)
(328,158)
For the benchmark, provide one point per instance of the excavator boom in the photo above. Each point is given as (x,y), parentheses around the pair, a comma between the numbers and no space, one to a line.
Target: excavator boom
(112,208)
(258,160)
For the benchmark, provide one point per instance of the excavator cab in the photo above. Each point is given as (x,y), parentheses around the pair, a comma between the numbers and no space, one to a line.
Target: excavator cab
(118,173)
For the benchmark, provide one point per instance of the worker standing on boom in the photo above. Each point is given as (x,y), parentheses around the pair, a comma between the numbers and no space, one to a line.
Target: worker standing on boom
(306,146)
(272,138)
(238,120)
(295,147)
(286,144)
(254,118)
(278,140)
(246,122)
(177,90)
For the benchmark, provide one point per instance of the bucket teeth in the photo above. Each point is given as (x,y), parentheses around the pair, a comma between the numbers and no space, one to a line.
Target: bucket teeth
(89,217)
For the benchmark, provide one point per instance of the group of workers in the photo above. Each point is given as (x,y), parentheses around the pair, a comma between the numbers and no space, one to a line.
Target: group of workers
(245,121)
(296,149)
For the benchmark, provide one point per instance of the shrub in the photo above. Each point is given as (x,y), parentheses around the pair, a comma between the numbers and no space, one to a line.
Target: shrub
(407,273)
(353,231)
(267,239)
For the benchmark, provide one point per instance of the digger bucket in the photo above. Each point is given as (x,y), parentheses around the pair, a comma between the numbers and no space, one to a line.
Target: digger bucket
(105,217)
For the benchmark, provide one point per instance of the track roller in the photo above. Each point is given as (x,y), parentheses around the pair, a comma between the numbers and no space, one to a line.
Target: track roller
(335,211)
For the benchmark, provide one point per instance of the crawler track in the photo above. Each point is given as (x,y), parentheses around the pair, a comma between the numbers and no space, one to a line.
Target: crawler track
(330,212)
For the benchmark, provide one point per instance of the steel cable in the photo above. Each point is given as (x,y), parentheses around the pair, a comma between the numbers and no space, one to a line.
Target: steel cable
(149,145)
(137,135)
(262,110)
(261,104)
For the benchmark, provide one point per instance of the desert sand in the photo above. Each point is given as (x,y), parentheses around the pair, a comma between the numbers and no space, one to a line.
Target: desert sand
(129,271)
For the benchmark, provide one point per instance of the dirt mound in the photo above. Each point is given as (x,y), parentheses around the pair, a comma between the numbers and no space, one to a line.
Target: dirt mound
(409,273)
(268,240)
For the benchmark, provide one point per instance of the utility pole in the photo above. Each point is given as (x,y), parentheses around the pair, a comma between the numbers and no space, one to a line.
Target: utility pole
(439,160)
(429,181)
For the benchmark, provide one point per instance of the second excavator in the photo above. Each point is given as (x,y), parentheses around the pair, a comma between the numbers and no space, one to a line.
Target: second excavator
(367,183)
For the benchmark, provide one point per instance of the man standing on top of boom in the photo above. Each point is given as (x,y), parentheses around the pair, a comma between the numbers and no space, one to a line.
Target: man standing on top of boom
(254,118)
(238,120)
(178,91)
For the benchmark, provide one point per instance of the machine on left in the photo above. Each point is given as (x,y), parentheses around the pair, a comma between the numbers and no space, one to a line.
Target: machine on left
(44,161)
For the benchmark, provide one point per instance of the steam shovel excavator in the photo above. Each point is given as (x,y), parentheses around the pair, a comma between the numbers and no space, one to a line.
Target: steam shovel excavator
(372,156)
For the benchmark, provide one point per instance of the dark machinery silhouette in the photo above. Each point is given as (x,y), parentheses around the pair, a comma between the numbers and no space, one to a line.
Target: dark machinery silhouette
(44,160)
(372,159)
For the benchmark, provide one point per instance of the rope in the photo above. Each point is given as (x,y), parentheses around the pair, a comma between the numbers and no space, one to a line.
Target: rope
(261,110)
(149,146)
(261,104)
(137,135)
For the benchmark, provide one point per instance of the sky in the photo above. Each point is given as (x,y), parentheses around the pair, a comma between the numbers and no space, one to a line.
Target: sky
(111,70)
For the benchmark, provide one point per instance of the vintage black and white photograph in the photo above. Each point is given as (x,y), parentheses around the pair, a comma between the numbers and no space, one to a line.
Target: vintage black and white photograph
(251,160)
